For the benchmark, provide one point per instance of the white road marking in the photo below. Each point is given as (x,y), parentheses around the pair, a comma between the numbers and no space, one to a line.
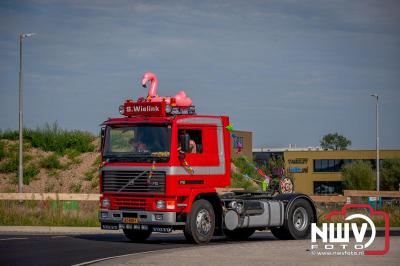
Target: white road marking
(114,257)
(13,238)
(137,253)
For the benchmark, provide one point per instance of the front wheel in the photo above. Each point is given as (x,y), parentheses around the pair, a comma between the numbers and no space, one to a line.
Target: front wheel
(200,222)
(300,215)
(137,236)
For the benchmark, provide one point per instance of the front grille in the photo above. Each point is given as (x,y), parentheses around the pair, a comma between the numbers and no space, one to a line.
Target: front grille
(133,181)
(129,203)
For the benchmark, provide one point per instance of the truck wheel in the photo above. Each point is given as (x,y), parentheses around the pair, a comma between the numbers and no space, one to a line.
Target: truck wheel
(298,224)
(200,222)
(137,235)
(239,234)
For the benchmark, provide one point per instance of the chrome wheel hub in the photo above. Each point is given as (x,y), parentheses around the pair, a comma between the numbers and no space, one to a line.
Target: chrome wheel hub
(300,219)
(203,222)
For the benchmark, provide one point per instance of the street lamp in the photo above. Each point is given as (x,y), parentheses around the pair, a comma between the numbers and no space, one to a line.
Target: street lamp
(377,141)
(22,36)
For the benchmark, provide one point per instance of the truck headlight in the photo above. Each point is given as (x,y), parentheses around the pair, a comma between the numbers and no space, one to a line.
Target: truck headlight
(160,204)
(105,203)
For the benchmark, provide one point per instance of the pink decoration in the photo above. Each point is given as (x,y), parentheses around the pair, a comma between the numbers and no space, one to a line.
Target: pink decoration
(181,98)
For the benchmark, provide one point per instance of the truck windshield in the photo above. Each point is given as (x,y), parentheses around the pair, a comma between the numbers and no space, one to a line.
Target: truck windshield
(138,143)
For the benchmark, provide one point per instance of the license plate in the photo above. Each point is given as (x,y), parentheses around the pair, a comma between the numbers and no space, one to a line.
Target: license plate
(109,226)
(130,220)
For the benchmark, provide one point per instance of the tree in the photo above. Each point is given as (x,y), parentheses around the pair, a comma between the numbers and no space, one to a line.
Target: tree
(335,142)
(358,175)
(390,174)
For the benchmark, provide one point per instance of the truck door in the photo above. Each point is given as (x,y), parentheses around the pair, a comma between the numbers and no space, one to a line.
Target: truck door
(203,148)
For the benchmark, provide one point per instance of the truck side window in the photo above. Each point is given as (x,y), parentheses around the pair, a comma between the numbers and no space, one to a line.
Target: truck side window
(196,143)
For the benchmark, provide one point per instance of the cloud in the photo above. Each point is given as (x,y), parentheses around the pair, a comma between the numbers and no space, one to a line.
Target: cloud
(288,70)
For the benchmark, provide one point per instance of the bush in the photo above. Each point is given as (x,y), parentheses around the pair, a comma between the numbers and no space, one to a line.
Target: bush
(2,151)
(10,165)
(53,138)
(10,135)
(245,167)
(89,175)
(358,175)
(95,182)
(30,173)
(239,181)
(76,188)
(390,175)
(72,154)
(97,161)
(51,162)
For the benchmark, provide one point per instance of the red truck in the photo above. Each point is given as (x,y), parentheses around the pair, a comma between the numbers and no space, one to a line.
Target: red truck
(161,166)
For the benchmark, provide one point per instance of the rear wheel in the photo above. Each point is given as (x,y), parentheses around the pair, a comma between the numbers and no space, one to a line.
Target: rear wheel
(239,234)
(298,225)
(200,222)
(137,235)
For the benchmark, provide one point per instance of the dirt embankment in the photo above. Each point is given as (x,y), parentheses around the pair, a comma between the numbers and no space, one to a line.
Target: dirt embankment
(76,173)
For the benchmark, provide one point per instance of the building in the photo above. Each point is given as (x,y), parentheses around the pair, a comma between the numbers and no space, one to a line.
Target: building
(241,144)
(316,171)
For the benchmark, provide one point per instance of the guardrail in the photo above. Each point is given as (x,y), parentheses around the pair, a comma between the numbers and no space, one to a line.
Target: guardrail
(50,196)
(347,195)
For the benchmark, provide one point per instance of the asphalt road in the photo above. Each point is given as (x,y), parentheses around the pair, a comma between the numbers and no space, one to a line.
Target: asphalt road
(57,249)
(49,249)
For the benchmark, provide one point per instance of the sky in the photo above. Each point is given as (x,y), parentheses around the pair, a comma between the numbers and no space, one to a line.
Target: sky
(289,71)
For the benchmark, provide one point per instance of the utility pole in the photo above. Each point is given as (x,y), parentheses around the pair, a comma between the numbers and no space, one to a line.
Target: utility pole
(377,142)
(22,36)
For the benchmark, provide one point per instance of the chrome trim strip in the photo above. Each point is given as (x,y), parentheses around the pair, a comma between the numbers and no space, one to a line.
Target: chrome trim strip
(173,170)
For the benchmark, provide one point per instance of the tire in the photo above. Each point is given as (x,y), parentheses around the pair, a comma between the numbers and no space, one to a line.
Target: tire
(239,234)
(200,223)
(298,225)
(137,236)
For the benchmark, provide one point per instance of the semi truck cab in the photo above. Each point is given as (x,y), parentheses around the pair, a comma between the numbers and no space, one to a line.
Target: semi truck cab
(161,167)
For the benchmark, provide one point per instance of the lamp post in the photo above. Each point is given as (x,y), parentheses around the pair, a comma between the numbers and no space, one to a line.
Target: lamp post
(22,36)
(377,141)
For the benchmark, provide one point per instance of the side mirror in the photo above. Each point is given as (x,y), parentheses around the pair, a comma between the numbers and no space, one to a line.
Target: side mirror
(102,134)
(181,156)
(184,140)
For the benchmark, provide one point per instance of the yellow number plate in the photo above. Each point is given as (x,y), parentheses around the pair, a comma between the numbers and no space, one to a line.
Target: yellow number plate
(130,220)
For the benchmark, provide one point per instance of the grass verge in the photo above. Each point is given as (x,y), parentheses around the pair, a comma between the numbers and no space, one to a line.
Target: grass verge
(49,213)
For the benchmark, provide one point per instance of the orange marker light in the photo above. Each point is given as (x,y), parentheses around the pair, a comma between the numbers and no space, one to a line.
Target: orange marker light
(173,101)
(171,204)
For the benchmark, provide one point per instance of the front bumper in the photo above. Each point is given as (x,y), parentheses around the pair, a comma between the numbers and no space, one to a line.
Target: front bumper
(116,218)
